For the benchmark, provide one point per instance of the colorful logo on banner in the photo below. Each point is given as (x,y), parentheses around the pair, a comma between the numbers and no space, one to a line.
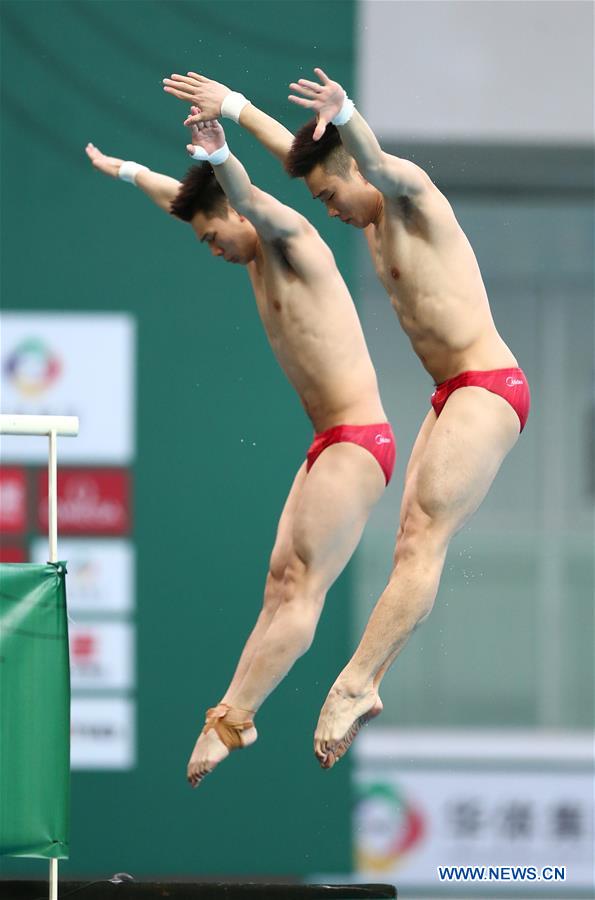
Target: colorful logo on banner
(32,367)
(387,827)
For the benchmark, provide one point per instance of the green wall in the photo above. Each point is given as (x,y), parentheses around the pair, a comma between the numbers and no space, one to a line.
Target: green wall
(220,432)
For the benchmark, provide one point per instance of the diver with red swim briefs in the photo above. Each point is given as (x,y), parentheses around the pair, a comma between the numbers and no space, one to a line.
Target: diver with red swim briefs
(429,270)
(379,440)
(511,384)
(314,330)
(427,266)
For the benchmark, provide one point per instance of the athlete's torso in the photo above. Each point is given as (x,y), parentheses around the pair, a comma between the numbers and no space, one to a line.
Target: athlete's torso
(314,330)
(430,272)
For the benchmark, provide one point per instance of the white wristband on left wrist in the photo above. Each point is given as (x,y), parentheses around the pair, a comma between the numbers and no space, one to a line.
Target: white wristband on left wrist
(129,170)
(232,105)
(345,113)
(216,158)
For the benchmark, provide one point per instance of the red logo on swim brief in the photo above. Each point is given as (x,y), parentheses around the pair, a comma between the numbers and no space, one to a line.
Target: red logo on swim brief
(380,439)
(510,381)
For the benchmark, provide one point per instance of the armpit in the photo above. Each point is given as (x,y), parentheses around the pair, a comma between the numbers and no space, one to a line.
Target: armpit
(281,251)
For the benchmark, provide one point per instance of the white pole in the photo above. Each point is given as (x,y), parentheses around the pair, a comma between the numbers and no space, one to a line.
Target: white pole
(65,425)
(53,879)
(53,541)
(53,498)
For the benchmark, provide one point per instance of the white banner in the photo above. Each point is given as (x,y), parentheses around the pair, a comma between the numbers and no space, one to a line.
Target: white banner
(71,364)
(101,655)
(100,573)
(102,733)
(443,800)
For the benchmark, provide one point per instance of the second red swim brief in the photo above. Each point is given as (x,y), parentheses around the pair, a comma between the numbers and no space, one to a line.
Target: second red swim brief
(510,384)
(379,440)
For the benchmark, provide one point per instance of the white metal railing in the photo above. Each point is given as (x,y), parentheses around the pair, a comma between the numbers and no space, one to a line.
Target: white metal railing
(51,427)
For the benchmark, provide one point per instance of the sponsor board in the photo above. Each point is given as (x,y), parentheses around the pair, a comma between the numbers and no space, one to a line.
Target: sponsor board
(13,500)
(100,573)
(76,364)
(417,811)
(101,656)
(89,501)
(102,733)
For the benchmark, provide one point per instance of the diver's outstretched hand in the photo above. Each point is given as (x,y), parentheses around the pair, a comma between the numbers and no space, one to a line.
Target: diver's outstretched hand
(199,91)
(326,99)
(109,165)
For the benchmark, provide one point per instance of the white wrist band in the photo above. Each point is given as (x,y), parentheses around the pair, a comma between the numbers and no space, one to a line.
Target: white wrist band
(129,170)
(232,106)
(216,158)
(345,113)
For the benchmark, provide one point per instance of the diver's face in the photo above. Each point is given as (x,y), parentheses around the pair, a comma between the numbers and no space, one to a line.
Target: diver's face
(349,198)
(232,237)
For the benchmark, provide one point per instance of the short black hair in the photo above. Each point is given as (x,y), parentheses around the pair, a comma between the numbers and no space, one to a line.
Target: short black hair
(200,192)
(328,152)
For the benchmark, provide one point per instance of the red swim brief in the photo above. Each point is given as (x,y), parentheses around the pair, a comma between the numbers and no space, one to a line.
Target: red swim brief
(511,384)
(378,439)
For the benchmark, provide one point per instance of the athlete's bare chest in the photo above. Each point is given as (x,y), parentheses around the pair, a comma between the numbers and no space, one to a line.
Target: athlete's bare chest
(390,253)
(279,295)
(403,263)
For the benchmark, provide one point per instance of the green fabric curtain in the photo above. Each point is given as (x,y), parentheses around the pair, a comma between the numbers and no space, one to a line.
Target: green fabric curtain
(34,711)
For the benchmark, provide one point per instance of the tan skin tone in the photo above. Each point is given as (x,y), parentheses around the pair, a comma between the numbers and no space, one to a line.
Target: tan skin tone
(316,335)
(304,304)
(420,252)
(429,270)
(431,275)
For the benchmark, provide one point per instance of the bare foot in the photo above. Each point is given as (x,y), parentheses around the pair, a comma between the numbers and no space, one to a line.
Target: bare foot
(341,718)
(210,750)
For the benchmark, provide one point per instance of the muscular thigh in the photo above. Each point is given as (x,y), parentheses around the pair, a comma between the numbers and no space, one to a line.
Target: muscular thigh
(417,452)
(464,451)
(337,497)
(283,547)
